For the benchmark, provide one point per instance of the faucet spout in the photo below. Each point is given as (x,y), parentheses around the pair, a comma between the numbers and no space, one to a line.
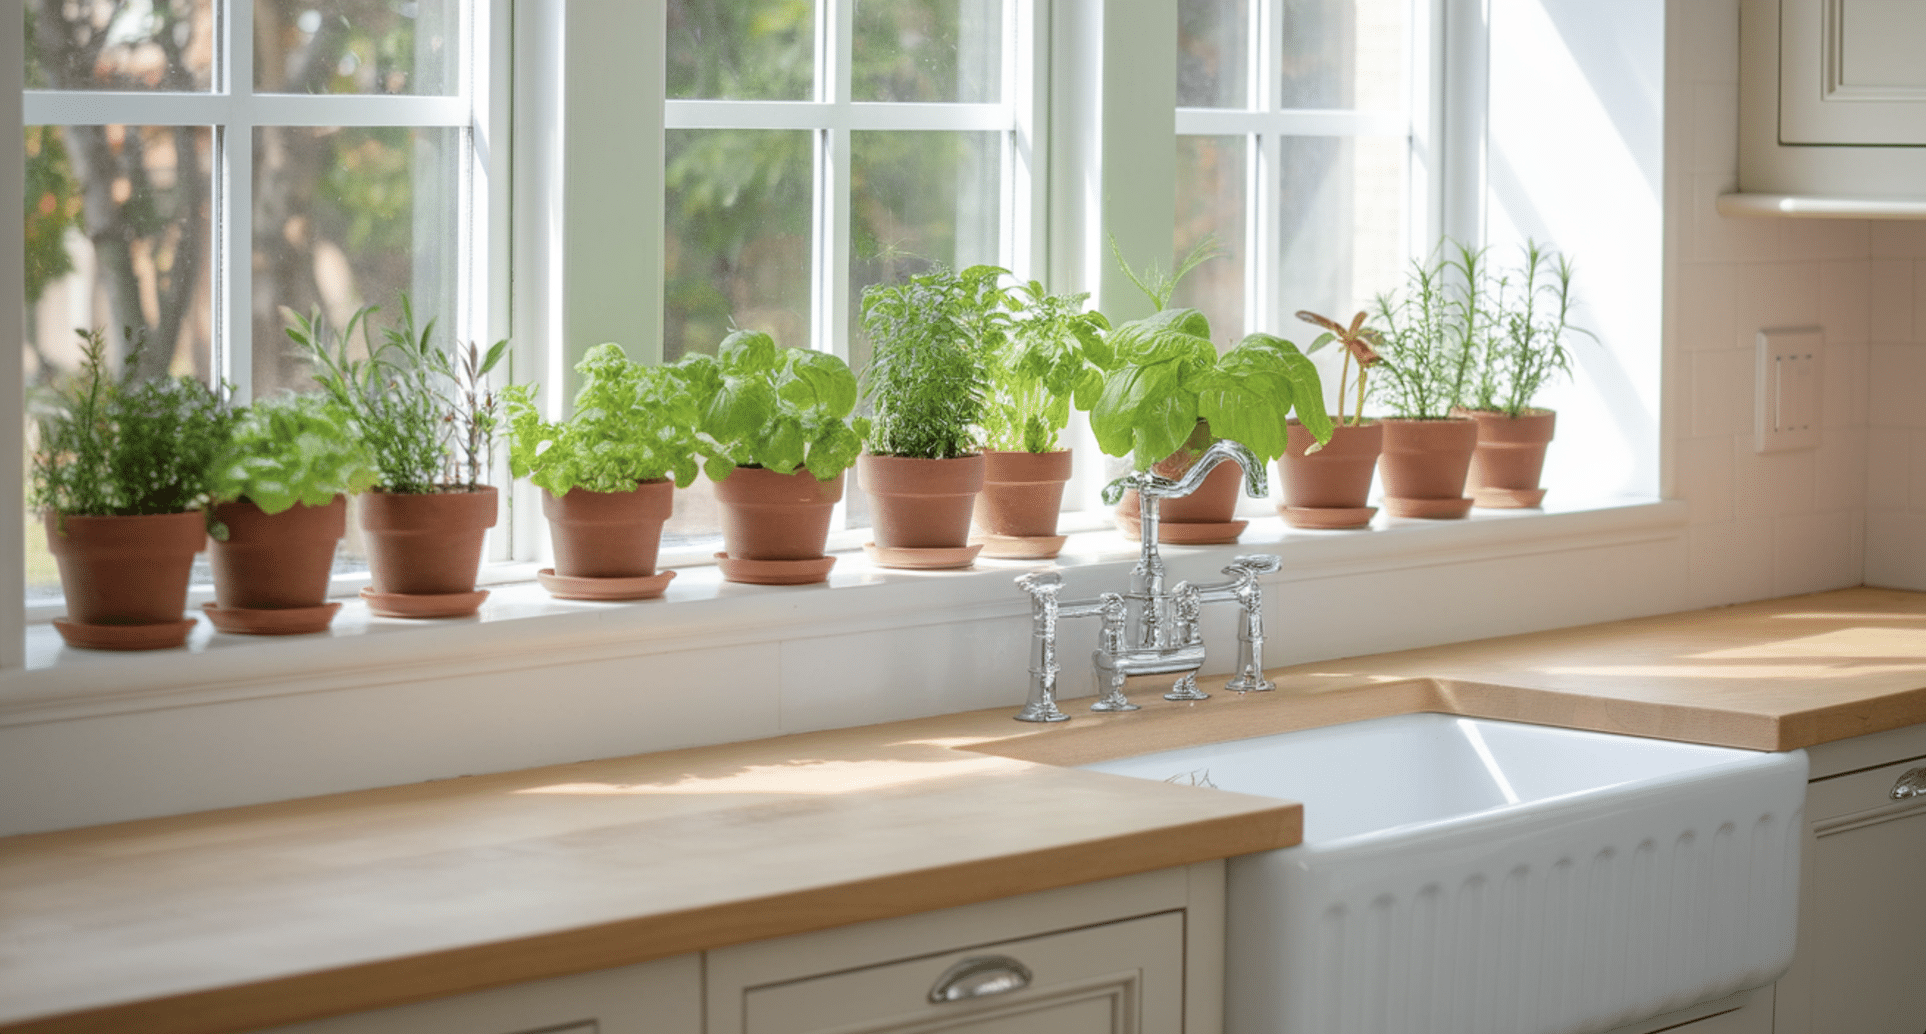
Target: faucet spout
(1151,485)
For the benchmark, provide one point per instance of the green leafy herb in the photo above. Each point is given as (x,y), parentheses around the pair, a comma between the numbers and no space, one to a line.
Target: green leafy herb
(926,379)
(1427,335)
(293,449)
(1520,338)
(778,408)
(122,447)
(1051,353)
(632,423)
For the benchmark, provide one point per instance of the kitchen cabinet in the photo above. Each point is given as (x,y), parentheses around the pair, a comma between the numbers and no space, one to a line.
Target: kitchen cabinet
(1862,921)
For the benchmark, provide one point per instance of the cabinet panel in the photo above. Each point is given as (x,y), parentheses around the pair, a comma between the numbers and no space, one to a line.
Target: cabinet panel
(1869,929)
(1118,978)
(1851,72)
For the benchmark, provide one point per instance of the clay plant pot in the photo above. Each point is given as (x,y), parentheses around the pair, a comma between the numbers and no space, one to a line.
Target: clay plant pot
(918,503)
(1329,488)
(125,578)
(1424,466)
(1204,517)
(775,527)
(1016,513)
(608,534)
(428,544)
(271,573)
(1510,458)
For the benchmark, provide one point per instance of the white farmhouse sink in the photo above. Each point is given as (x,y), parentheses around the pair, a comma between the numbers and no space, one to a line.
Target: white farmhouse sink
(1463,875)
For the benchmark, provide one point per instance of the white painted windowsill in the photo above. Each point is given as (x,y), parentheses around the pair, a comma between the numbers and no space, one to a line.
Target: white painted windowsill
(522,627)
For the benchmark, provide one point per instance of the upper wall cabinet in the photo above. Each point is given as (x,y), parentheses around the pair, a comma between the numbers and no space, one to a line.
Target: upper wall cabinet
(1832,109)
(1852,72)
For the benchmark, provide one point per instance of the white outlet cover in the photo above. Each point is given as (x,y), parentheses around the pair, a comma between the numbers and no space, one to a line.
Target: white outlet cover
(1786,399)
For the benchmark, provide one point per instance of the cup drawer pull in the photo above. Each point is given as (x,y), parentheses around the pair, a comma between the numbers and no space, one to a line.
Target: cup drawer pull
(980,976)
(1912,784)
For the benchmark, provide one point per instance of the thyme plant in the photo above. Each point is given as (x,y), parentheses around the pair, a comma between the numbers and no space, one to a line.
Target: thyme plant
(926,381)
(119,446)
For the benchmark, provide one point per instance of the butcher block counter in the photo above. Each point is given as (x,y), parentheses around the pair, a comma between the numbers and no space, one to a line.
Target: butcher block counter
(255,916)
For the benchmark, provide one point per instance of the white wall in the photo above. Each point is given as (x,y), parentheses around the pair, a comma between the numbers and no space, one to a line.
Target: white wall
(1759,527)
(1896,408)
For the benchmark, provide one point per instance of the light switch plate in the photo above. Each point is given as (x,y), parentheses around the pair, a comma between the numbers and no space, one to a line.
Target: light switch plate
(1786,398)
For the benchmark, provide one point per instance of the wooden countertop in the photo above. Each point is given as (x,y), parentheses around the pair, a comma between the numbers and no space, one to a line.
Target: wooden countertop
(249,917)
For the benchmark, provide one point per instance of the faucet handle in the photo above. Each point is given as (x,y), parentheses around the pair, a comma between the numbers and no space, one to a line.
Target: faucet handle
(1256,564)
(1147,482)
(1041,585)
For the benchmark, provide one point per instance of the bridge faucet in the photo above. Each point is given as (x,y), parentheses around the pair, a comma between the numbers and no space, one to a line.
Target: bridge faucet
(1150,630)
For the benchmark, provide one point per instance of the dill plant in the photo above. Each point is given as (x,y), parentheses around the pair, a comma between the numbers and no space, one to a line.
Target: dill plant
(927,376)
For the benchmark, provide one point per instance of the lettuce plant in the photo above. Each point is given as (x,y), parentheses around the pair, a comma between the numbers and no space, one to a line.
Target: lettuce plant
(758,405)
(1050,353)
(631,423)
(1168,376)
(293,449)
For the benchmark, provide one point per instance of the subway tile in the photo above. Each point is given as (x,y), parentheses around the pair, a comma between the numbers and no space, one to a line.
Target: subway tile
(1843,388)
(1814,552)
(1722,386)
(1706,303)
(1777,294)
(1840,469)
(1717,238)
(1705,478)
(1826,238)
(1889,310)
(1773,484)
(1916,471)
(1897,238)
(1896,386)
(1889,467)
(1845,300)
(1729,562)
(1715,128)
(1896,550)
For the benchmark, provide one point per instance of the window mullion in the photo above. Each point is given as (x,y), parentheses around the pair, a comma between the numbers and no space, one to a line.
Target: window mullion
(232,268)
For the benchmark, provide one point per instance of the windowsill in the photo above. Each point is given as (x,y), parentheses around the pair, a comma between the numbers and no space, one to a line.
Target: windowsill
(522,627)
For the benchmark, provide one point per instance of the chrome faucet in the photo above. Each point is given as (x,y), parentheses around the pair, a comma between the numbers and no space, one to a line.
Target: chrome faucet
(1148,630)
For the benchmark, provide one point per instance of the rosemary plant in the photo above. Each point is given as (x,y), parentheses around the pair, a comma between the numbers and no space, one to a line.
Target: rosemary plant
(1428,335)
(1521,342)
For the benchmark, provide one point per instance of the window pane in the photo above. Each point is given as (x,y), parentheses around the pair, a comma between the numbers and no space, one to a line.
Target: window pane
(1211,200)
(1342,229)
(357,46)
(928,50)
(737,248)
(119,45)
(118,231)
(742,50)
(1213,53)
(345,218)
(1344,54)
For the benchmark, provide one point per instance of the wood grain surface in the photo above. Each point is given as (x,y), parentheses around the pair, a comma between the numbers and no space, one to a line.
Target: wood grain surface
(231,920)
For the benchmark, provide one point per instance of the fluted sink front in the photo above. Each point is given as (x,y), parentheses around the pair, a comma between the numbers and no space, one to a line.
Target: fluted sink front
(1489,877)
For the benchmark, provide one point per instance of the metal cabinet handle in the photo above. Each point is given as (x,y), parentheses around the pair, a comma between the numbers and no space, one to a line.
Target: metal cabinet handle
(980,976)
(1912,784)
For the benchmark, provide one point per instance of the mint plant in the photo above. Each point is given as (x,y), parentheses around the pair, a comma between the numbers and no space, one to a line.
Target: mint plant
(118,446)
(781,409)
(927,379)
(293,449)
(631,423)
(1050,354)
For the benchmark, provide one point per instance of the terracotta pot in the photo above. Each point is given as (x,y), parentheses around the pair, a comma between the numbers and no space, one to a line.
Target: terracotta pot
(920,504)
(126,570)
(1424,466)
(1337,476)
(278,561)
(1214,503)
(1022,493)
(608,534)
(771,516)
(428,544)
(1510,457)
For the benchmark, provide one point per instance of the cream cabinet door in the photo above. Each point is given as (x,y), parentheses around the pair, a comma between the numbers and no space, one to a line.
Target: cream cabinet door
(1861,964)
(1119,978)
(663,997)
(1852,72)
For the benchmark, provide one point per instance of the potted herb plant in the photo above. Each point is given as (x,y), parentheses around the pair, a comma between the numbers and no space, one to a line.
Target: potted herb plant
(429,418)
(926,385)
(1050,354)
(1327,484)
(1521,349)
(777,430)
(1426,340)
(280,494)
(121,472)
(605,473)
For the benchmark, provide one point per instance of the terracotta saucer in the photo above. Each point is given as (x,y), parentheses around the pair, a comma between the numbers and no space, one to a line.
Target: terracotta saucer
(1508,498)
(166,635)
(562,587)
(948,558)
(254,621)
(1327,518)
(775,572)
(427,605)
(1431,509)
(1020,547)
